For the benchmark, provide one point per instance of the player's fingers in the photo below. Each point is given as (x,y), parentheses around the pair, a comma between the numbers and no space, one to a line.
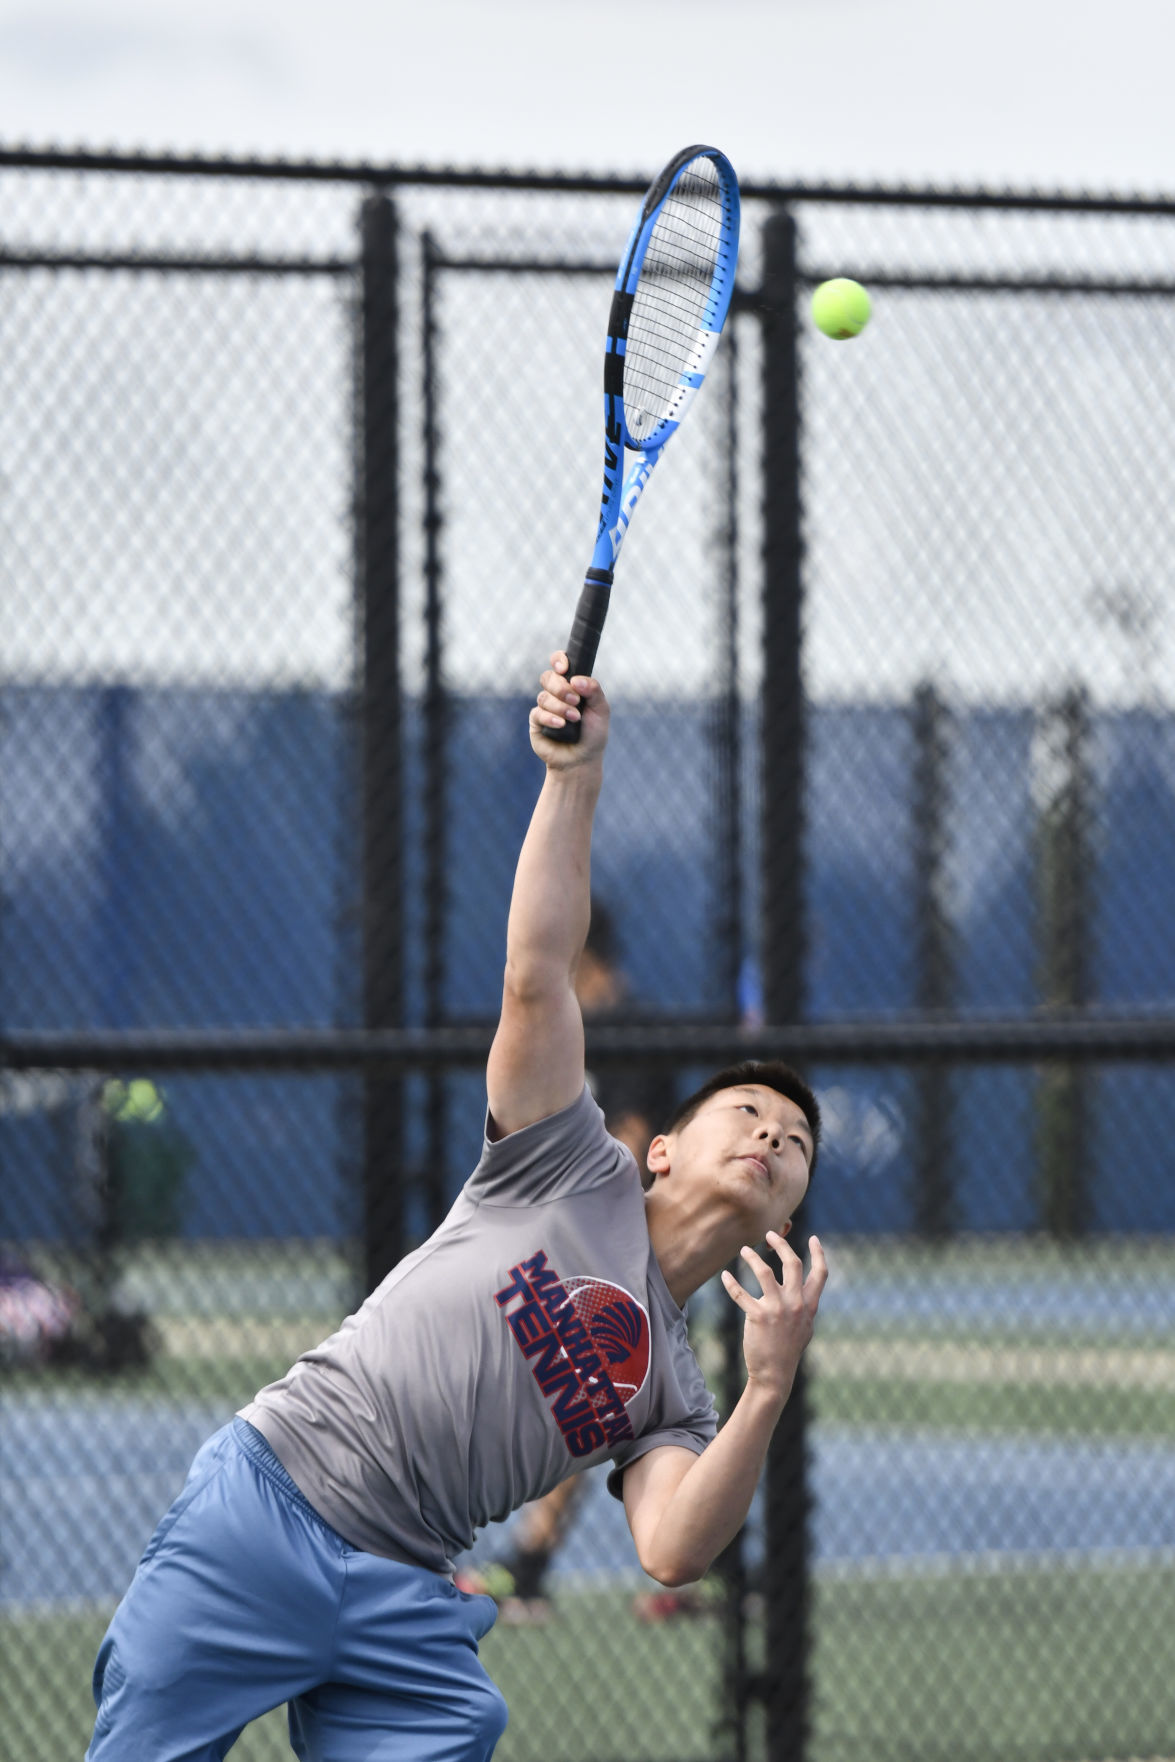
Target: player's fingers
(817,1273)
(559,706)
(558,686)
(735,1291)
(560,661)
(766,1278)
(791,1268)
(555,681)
(547,719)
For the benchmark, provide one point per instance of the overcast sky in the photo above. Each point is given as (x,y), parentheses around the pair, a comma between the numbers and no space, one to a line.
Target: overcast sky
(1026,91)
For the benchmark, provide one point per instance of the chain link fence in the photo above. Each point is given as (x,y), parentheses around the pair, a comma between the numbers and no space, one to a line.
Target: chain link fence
(298,476)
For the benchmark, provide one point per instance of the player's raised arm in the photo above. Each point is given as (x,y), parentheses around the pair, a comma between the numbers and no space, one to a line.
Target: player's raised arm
(536,1061)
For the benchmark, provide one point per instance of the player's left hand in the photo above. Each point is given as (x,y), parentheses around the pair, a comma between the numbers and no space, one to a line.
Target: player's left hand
(778,1324)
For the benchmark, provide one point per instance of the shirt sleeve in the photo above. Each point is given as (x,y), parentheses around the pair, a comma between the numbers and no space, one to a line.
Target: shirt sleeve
(568,1152)
(630,1453)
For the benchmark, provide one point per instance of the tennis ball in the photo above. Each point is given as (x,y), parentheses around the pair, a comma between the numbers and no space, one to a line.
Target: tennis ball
(841,308)
(136,1100)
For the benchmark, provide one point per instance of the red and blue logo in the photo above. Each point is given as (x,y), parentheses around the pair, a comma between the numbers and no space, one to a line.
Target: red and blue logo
(587,1342)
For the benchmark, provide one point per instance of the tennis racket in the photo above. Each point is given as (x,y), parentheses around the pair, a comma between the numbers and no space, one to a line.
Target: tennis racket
(671,298)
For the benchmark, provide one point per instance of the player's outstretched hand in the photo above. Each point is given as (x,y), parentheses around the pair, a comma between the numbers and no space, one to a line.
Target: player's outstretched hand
(778,1324)
(561,700)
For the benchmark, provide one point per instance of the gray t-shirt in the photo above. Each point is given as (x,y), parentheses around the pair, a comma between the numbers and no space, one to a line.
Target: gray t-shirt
(531,1335)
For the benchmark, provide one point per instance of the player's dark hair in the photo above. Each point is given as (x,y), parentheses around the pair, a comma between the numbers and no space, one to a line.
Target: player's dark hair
(770,1074)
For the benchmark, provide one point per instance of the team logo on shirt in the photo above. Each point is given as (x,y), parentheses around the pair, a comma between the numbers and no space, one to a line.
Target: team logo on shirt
(587,1342)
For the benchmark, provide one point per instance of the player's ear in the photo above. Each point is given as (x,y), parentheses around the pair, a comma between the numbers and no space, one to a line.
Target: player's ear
(657,1157)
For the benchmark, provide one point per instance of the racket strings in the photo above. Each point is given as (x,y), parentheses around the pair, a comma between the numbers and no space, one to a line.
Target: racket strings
(672,296)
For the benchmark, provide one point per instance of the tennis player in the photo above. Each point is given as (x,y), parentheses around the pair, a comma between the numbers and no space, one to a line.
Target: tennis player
(309,1557)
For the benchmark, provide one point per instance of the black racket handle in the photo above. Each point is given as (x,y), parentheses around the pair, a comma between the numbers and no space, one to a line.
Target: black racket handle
(584,641)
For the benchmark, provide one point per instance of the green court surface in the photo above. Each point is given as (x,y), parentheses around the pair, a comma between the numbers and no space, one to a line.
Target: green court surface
(893,1395)
(1026,1666)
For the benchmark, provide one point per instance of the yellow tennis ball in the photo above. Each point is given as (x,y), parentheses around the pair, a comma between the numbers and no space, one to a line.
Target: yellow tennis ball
(139,1100)
(841,308)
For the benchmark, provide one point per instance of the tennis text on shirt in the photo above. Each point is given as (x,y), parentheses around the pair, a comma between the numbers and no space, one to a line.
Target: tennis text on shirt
(575,1335)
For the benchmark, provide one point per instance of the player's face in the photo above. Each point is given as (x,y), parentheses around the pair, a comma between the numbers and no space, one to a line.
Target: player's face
(756,1146)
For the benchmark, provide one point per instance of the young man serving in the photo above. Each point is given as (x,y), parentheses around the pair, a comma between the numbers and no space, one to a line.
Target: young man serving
(309,1557)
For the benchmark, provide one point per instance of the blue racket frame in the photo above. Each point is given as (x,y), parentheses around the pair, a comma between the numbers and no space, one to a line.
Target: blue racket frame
(623,488)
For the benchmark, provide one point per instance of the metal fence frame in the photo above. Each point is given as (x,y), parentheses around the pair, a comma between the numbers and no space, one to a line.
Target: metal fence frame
(384,1048)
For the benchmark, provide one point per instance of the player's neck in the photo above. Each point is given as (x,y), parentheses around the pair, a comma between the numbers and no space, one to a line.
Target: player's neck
(691,1250)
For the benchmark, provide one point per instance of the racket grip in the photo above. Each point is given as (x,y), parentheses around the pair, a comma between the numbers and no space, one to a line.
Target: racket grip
(584,640)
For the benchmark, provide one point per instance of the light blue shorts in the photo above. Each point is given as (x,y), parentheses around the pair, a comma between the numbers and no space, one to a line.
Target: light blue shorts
(245,1598)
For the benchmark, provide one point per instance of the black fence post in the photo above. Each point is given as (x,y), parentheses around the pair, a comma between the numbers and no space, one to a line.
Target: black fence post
(785,1580)
(728,708)
(729,939)
(435,757)
(377,546)
(934,961)
(1063,1093)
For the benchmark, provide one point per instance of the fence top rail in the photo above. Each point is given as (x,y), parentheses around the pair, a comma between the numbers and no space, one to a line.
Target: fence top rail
(1071,1038)
(583,183)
